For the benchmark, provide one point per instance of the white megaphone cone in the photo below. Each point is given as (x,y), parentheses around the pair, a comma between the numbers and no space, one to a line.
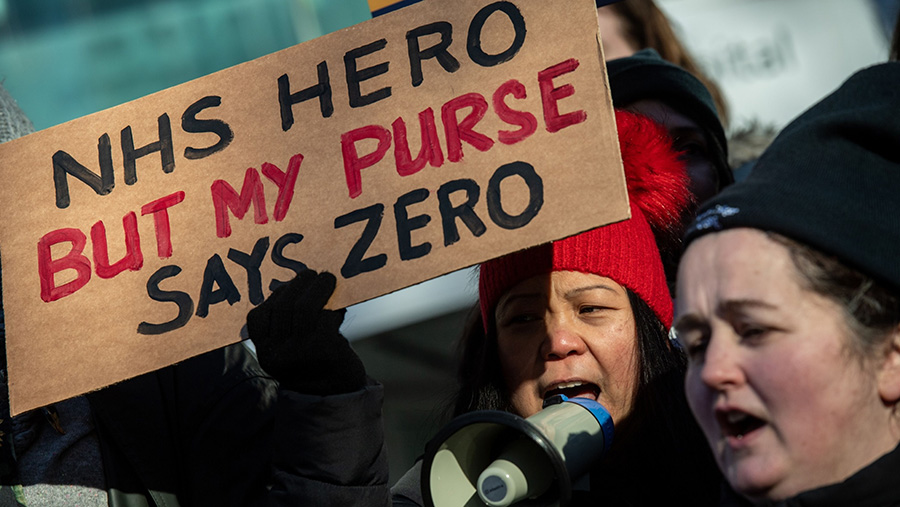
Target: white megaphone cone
(493,458)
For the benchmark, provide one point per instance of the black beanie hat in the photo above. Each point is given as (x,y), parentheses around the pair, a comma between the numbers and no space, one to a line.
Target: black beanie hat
(645,75)
(830,180)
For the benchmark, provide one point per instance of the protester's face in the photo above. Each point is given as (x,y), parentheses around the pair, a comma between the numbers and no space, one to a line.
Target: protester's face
(568,333)
(785,404)
(689,139)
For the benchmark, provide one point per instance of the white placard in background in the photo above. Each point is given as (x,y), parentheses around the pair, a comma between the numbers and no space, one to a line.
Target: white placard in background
(775,58)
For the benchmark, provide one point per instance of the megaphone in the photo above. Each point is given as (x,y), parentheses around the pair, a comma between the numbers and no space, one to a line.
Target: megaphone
(494,458)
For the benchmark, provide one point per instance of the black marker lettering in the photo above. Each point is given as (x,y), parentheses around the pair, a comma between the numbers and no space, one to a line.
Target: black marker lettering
(215,273)
(473,43)
(252,263)
(535,195)
(406,225)
(280,260)
(286,99)
(465,211)
(130,154)
(355,76)
(355,263)
(439,50)
(181,299)
(190,123)
(64,164)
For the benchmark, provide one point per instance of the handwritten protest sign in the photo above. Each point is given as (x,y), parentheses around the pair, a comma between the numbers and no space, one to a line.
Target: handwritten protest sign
(389,153)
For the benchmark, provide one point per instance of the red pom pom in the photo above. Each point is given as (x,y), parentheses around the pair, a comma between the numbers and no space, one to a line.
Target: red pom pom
(656,177)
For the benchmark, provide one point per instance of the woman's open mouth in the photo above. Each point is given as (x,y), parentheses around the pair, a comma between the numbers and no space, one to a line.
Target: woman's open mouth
(736,424)
(574,389)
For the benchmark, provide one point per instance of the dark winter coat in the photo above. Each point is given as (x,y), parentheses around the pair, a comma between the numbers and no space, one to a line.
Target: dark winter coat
(216,430)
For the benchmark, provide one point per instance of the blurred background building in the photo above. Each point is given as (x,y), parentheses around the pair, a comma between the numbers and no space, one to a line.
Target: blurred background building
(63,59)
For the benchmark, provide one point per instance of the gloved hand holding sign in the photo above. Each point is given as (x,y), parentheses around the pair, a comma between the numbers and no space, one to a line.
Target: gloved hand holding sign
(299,342)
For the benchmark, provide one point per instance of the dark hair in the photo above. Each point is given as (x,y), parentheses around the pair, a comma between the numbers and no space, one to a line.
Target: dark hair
(648,27)
(665,459)
(871,309)
(658,442)
(479,381)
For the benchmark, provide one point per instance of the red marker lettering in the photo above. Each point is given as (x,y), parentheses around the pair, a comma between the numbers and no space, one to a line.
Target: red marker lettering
(160,210)
(459,131)
(133,259)
(224,198)
(285,182)
(47,266)
(523,119)
(430,152)
(550,96)
(353,163)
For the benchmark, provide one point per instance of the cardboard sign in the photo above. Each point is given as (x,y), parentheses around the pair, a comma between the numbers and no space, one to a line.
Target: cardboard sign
(389,153)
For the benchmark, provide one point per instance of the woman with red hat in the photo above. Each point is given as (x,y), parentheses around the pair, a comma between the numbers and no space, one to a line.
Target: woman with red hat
(588,316)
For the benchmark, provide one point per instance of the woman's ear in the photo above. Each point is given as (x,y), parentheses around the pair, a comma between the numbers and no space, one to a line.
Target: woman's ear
(889,374)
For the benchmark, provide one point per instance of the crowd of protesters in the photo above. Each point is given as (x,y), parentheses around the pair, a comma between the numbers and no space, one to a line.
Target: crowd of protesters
(743,336)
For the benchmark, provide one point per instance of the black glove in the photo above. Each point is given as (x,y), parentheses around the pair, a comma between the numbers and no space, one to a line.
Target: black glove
(299,342)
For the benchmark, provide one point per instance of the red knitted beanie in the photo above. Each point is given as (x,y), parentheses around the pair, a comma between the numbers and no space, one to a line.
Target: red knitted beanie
(624,251)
